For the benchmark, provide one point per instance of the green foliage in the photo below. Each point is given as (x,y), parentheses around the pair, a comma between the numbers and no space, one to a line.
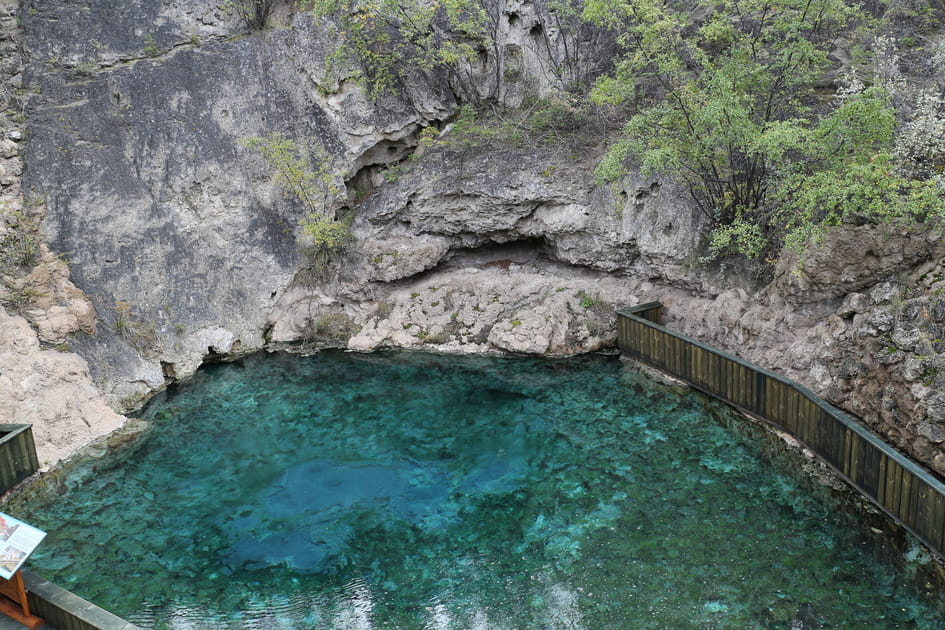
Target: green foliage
(428,137)
(863,190)
(468,130)
(150,46)
(19,254)
(332,328)
(559,119)
(19,298)
(19,249)
(723,94)
(920,144)
(323,239)
(139,334)
(559,116)
(85,68)
(309,178)
(739,236)
(587,300)
(391,172)
(388,39)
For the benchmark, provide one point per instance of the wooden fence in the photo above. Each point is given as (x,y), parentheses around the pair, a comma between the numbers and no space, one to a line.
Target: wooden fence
(899,486)
(17,454)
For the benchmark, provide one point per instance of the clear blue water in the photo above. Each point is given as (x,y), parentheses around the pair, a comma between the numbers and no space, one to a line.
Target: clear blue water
(413,491)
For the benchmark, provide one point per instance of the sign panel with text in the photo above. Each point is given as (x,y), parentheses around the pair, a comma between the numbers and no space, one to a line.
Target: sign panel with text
(17,541)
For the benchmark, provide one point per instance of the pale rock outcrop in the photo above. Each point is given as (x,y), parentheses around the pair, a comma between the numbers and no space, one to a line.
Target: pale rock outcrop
(57,309)
(512,307)
(51,390)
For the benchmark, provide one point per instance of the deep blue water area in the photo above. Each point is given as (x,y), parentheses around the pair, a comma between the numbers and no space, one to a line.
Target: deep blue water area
(414,491)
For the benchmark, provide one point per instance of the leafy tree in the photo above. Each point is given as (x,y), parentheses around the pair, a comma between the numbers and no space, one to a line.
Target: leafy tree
(310,179)
(725,95)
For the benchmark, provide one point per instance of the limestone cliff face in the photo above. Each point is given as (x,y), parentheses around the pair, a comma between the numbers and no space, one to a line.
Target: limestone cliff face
(173,228)
(181,247)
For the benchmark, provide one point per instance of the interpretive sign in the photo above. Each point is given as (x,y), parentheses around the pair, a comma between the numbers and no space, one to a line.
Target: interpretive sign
(17,541)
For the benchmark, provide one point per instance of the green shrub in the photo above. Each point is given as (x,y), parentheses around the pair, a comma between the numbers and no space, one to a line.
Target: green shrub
(311,180)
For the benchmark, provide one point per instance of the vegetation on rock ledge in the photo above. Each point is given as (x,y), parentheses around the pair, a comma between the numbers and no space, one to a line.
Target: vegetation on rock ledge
(728,97)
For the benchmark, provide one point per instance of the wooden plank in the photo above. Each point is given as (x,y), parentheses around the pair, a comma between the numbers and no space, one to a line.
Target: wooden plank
(856,444)
(666,351)
(819,431)
(845,466)
(905,498)
(676,355)
(646,342)
(688,349)
(640,342)
(881,490)
(871,470)
(836,440)
(776,408)
(741,384)
(830,439)
(659,347)
(803,425)
(705,369)
(19,607)
(790,418)
(938,521)
(894,473)
(761,385)
(25,456)
(841,430)
(7,470)
(922,512)
(712,374)
(697,365)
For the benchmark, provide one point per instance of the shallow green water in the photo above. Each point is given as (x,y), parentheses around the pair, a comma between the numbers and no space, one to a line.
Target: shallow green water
(414,491)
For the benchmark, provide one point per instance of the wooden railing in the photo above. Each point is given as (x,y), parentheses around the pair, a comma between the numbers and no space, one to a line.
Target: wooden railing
(17,454)
(900,487)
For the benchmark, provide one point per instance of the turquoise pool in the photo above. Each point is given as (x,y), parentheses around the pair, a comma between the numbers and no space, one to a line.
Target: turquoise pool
(405,490)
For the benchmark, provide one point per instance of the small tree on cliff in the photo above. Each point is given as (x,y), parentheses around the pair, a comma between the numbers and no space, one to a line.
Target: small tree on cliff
(308,177)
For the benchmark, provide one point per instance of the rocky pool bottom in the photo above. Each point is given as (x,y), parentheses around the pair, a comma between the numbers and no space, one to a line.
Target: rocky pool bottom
(405,490)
